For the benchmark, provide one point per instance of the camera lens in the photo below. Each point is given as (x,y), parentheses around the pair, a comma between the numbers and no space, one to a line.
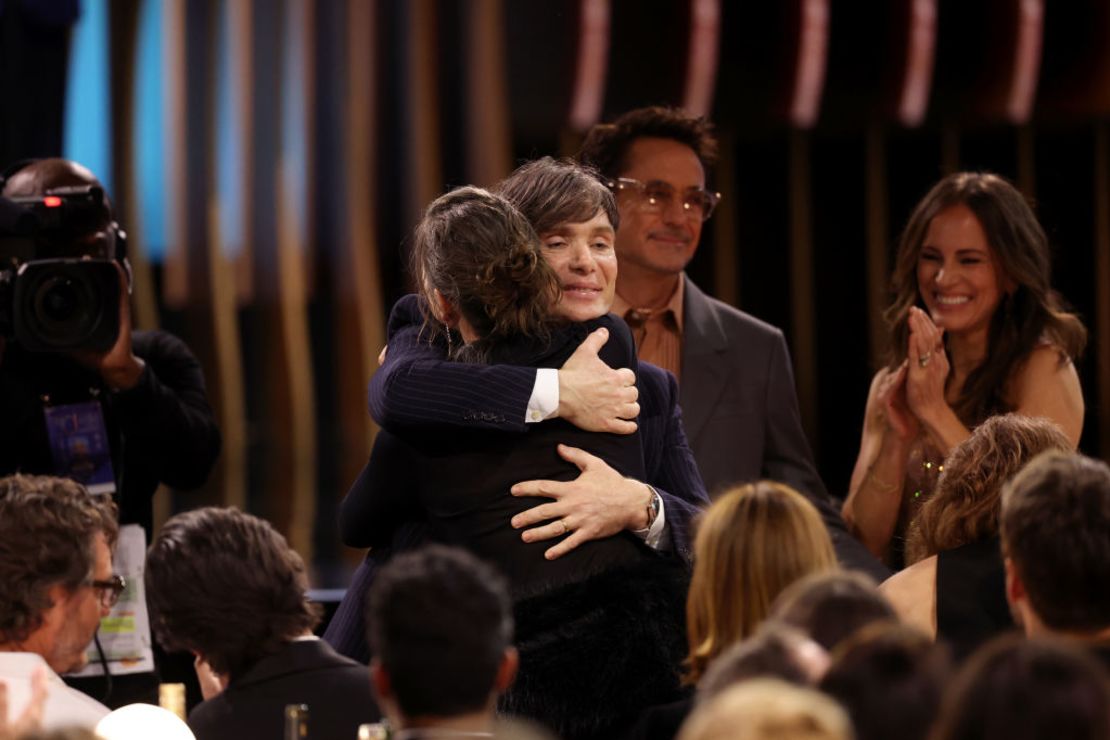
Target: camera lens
(66,304)
(59,300)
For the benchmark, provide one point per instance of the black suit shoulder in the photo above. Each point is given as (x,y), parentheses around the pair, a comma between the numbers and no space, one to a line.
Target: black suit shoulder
(336,690)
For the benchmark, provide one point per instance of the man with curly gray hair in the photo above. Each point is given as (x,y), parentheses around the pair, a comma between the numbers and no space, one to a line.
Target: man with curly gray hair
(56,583)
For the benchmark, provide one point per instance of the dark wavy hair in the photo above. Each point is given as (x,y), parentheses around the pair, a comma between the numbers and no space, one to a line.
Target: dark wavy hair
(607,144)
(225,584)
(965,506)
(1029,315)
(47,529)
(484,258)
(552,192)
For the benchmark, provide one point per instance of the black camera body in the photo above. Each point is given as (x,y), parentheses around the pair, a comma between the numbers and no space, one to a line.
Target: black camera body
(52,303)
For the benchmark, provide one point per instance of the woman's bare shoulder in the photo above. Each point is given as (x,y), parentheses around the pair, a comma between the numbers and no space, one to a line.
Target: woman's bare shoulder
(1047,384)
(912,593)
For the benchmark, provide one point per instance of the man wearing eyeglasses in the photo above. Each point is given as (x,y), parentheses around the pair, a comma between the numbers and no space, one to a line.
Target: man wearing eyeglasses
(736,385)
(56,583)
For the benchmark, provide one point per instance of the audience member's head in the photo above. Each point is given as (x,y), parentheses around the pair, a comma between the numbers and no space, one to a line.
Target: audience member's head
(752,543)
(226,586)
(774,651)
(768,709)
(440,628)
(56,579)
(831,606)
(1056,539)
(964,508)
(477,261)
(890,678)
(1019,689)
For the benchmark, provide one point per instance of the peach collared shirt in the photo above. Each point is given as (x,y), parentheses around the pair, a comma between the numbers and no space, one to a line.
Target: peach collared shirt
(657,331)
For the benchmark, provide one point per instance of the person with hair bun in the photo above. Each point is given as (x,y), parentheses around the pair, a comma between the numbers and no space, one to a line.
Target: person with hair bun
(975,330)
(955,585)
(587,666)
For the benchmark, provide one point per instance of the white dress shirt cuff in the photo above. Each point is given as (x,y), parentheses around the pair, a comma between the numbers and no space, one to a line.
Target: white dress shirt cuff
(544,401)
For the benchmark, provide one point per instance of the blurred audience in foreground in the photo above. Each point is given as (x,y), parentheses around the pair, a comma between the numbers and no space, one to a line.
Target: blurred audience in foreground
(955,587)
(1056,540)
(768,709)
(889,677)
(440,626)
(830,607)
(225,586)
(56,583)
(1015,689)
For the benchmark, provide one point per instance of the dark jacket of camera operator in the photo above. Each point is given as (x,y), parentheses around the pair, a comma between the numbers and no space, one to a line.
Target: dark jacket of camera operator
(147,388)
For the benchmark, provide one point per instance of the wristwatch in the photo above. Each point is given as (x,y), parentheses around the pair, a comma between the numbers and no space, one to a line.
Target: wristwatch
(652,506)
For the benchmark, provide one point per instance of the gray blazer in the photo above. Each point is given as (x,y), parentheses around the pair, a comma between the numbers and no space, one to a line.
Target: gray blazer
(741,412)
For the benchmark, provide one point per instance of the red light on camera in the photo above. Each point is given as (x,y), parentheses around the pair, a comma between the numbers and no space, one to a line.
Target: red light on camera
(51,201)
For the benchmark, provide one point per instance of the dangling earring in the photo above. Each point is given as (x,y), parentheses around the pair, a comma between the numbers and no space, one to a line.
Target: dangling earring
(447,333)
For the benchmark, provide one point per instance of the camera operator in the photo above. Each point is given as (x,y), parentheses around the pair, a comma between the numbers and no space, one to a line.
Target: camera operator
(132,415)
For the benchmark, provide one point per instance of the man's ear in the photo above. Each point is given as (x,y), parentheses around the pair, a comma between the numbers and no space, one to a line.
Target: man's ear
(506,671)
(1018,599)
(1015,589)
(379,680)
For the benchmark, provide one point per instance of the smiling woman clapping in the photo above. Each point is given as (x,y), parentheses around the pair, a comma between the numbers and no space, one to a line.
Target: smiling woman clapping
(975,330)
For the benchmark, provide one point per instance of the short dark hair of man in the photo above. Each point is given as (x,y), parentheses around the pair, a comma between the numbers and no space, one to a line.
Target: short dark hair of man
(225,584)
(772,652)
(439,623)
(1015,688)
(607,144)
(890,678)
(47,537)
(829,607)
(552,192)
(1056,533)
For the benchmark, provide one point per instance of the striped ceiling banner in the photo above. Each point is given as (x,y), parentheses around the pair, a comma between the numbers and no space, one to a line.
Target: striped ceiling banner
(1027,60)
(809,76)
(701,63)
(592,64)
(913,99)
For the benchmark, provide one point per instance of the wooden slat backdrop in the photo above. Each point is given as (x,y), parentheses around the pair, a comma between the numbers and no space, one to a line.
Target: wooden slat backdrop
(296,343)
(489,140)
(239,17)
(176,134)
(359,318)
(1100,331)
(878,240)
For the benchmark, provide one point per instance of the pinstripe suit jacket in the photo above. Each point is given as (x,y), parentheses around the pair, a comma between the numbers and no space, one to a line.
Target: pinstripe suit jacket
(417,388)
